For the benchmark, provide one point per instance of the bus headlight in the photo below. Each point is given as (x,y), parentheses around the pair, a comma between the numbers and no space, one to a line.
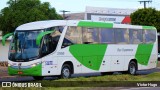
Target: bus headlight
(9,65)
(33,65)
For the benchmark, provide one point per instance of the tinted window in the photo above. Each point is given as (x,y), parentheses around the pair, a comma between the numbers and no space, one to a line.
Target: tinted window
(149,36)
(90,35)
(135,36)
(107,35)
(50,42)
(73,36)
(66,43)
(122,36)
(23,46)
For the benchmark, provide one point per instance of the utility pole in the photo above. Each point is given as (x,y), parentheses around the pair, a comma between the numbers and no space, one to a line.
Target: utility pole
(64,11)
(145,2)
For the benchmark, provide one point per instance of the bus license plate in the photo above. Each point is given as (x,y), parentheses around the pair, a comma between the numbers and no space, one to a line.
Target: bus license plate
(20,72)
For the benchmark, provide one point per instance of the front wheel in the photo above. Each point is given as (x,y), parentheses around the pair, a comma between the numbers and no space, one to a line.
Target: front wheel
(38,77)
(65,72)
(132,68)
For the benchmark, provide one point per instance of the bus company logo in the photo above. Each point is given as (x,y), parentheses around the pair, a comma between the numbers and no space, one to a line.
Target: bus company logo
(6,84)
(19,65)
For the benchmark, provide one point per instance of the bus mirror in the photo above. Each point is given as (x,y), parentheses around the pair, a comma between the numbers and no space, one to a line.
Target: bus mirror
(40,36)
(5,37)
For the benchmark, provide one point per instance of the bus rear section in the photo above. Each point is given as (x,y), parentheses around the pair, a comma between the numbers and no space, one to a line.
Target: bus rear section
(111,48)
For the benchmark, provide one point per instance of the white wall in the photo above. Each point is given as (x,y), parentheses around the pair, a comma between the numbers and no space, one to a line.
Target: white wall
(4,51)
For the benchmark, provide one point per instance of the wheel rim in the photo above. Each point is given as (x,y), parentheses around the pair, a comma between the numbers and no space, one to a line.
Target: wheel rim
(132,69)
(66,72)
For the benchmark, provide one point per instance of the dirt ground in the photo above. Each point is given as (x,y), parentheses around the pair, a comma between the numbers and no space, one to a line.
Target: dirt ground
(3,72)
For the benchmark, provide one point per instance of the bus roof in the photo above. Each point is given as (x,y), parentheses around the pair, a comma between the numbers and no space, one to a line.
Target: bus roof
(41,24)
(38,25)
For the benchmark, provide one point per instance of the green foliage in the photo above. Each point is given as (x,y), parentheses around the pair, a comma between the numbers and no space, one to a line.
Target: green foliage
(147,16)
(24,11)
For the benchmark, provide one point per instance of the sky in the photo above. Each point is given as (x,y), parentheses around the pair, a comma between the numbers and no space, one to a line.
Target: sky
(75,6)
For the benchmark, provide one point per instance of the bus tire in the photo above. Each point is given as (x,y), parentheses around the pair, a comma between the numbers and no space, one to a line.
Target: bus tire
(65,72)
(38,77)
(106,73)
(132,68)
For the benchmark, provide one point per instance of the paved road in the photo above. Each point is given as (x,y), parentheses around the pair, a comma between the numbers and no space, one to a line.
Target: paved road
(27,79)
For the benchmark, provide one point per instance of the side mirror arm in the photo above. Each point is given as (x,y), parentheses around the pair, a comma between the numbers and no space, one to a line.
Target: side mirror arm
(41,35)
(5,37)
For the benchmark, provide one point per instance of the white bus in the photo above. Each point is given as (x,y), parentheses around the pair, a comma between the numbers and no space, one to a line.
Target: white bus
(61,48)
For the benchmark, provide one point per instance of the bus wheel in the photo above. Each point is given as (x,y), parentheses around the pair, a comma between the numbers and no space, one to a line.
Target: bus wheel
(38,77)
(106,73)
(132,68)
(66,71)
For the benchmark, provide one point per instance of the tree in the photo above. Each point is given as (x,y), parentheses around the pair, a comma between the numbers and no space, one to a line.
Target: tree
(23,11)
(147,16)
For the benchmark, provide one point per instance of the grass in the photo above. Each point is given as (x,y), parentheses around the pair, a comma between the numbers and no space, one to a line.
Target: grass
(115,78)
(124,77)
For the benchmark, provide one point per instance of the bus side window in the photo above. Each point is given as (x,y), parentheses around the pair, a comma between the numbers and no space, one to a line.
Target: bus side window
(90,35)
(149,36)
(49,43)
(135,36)
(73,36)
(107,36)
(122,36)
(66,43)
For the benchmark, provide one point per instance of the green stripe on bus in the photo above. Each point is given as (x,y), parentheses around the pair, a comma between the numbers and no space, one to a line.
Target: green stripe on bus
(90,55)
(34,71)
(95,24)
(143,53)
(148,27)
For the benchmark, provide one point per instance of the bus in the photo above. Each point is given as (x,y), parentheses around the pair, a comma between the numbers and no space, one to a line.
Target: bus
(65,47)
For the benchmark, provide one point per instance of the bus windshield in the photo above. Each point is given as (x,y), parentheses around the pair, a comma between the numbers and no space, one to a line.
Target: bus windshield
(23,46)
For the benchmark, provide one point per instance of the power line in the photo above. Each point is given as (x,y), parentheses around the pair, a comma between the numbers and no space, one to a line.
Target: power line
(145,2)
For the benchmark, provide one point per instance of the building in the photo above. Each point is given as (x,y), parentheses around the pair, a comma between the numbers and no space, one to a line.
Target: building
(115,15)
(75,16)
(4,49)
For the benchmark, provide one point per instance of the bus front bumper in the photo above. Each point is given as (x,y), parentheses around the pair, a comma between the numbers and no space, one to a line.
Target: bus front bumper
(33,71)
